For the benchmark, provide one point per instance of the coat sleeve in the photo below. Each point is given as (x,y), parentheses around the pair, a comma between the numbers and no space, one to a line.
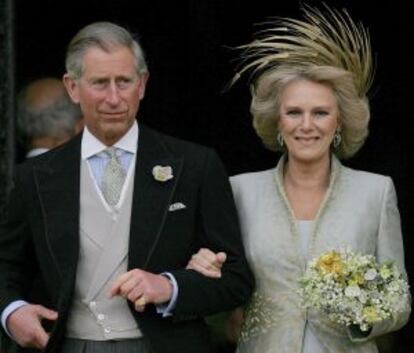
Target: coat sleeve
(16,258)
(389,247)
(218,229)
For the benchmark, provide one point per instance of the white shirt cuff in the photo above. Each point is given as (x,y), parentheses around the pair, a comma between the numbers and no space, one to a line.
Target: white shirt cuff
(166,308)
(12,307)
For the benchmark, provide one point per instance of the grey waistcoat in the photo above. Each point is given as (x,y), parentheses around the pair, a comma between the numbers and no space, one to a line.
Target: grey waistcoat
(103,256)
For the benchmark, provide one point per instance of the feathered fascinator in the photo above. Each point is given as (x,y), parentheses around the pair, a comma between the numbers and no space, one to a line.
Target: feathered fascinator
(329,38)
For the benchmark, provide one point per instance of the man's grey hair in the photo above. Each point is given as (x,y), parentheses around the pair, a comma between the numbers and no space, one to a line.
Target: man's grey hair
(106,36)
(57,119)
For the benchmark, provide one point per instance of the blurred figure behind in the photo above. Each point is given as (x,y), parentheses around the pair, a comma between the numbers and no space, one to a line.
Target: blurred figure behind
(46,117)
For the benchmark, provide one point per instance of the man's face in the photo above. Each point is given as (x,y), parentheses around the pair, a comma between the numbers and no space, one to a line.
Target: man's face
(109,92)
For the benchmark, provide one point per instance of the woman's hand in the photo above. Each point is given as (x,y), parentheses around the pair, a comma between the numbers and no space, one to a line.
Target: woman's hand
(207,263)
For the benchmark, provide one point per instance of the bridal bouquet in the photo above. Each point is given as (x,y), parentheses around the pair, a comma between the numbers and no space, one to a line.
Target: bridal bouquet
(353,289)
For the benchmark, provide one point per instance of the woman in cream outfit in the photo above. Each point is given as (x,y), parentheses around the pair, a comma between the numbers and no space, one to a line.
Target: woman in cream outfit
(309,99)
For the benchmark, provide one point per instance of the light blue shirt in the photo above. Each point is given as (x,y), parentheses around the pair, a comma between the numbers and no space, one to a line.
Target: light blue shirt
(92,150)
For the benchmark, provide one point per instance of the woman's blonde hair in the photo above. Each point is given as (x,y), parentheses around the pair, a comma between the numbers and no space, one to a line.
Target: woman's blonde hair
(326,48)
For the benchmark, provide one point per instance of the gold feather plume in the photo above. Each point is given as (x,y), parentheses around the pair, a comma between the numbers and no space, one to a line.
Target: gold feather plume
(331,38)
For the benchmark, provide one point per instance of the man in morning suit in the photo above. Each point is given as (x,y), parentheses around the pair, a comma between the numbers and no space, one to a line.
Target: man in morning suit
(110,220)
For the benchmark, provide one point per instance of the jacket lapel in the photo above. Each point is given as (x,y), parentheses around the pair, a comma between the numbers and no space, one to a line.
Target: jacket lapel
(57,183)
(151,198)
(58,187)
(334,176)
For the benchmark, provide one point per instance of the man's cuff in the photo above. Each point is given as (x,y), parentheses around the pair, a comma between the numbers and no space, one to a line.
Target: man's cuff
(12,307)
(167,308)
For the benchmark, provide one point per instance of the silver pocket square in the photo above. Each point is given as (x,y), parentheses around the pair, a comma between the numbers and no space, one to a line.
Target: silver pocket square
(176,206)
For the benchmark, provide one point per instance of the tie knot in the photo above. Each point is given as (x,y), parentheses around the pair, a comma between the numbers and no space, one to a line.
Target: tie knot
(111,152)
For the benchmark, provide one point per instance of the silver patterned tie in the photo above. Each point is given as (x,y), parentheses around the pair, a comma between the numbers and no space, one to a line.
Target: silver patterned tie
(113,177)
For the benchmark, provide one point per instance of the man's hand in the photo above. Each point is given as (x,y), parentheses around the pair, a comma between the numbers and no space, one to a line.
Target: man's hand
(25,325)
(207,263)
(141,288)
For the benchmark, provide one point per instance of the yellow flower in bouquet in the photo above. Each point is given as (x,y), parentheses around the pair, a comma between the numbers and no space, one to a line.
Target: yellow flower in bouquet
(356,279)
(331,262)
(385,272)
(370,314)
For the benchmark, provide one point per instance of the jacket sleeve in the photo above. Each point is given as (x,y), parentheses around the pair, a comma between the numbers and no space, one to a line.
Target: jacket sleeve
(218,229)
(389,247)
(16,261)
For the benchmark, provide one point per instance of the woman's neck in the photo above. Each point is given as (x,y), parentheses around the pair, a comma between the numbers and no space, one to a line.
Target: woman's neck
(304,175)
(305,186)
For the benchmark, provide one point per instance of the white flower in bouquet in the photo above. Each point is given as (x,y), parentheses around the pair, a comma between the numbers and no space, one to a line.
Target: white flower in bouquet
(353,289)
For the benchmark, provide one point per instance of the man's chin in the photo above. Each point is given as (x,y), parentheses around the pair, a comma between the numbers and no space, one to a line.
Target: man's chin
(115,132)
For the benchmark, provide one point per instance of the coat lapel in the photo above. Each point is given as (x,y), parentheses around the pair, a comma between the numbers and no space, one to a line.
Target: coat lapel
(151,198)
(334,175)
(57,183)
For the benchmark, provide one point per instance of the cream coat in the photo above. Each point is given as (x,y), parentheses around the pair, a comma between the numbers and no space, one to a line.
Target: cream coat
(359,211)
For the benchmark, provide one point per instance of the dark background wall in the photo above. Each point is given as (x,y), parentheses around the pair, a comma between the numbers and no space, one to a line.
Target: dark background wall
(187,44)
(6,98)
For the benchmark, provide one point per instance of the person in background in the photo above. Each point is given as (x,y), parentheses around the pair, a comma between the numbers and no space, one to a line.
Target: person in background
(110,219)
(309,100)
(46,116)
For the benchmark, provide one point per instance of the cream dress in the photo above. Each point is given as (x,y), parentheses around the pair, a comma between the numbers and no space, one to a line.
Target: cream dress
(359,211)
(310,342)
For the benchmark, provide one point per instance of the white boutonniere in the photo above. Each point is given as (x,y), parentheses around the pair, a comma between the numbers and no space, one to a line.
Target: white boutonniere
(162,174)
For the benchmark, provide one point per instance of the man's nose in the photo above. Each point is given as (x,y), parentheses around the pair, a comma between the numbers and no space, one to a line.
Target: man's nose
(112,96)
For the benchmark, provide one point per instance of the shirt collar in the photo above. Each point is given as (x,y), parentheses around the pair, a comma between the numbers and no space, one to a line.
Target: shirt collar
(36,151)
(92,146)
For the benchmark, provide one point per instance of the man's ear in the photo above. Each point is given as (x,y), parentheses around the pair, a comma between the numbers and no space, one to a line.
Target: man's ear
(144,79)
(72,88)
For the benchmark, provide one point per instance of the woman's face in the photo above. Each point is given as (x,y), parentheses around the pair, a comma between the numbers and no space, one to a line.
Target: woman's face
(308,120)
